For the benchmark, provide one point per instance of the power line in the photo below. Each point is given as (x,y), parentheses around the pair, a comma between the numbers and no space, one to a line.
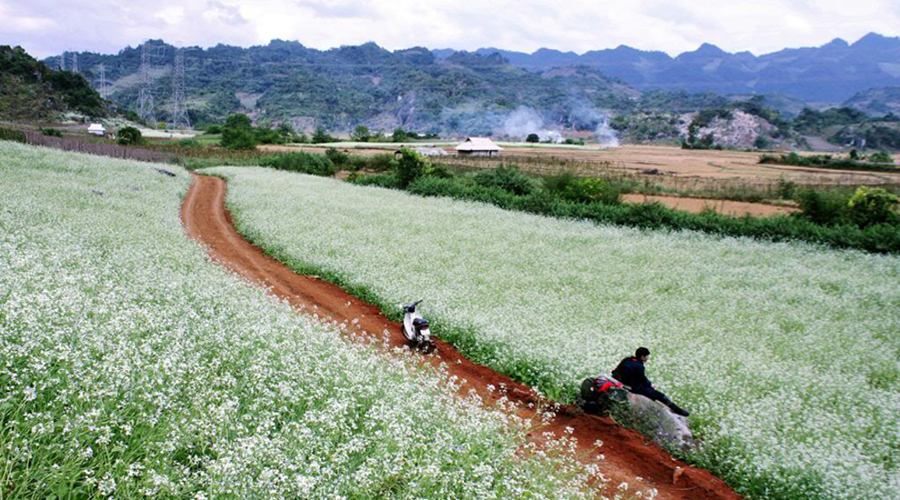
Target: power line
(145,99)
(180,118)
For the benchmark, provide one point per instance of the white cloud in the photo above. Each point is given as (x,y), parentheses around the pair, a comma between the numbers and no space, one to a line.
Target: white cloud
(171,15)
(46,27)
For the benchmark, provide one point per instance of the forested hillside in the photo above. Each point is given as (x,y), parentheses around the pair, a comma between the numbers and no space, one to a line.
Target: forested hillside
(30,91)
(344,87)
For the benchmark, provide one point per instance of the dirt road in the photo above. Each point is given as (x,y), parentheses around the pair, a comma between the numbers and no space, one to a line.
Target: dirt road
(627,454)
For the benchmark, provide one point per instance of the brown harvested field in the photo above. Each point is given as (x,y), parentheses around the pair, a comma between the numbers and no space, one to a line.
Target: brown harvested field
(726,207)
(678,168)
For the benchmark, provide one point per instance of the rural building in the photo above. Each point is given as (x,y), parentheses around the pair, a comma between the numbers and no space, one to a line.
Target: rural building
(97,129)
(478,146)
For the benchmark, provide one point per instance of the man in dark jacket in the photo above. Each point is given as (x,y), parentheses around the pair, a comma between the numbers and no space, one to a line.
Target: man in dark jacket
(631,373)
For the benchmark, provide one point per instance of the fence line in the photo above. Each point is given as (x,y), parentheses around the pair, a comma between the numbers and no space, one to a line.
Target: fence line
(111,150)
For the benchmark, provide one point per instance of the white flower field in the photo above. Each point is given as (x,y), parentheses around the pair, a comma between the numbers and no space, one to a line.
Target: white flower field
(786,354)
(131,365)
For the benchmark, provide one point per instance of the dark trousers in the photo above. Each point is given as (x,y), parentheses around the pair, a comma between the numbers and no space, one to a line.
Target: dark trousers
(654,395)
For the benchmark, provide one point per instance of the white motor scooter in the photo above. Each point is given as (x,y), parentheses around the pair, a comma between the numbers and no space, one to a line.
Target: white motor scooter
(416,330)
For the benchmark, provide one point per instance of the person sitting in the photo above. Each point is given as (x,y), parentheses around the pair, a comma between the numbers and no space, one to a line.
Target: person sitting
(631,373)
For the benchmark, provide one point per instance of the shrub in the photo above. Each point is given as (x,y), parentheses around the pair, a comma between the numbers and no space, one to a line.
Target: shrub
(533,138)
(361,134)
(337,157)
(558,183)
(51,132)
(238,133)
(321,137)
(286,130)
(132,116)
(786,189)
(870,206)
(189,143)
(303,162)
(213,129)
(12,135)
(827,161)
(399,135)
(822,207)
(508,178)
(379,163)
(129,136)
(382,180)
(589,190)
(409,166)
(881,157)
(264,135)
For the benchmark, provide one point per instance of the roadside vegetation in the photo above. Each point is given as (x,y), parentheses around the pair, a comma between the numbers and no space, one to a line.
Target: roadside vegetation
(876,162)
(131,365)
(598,200)
(751,336)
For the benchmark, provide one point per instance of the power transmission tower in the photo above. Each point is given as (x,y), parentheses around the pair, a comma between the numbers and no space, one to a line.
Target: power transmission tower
(145,99)
(180,118)
(102,87)
(62,62)
(74,62)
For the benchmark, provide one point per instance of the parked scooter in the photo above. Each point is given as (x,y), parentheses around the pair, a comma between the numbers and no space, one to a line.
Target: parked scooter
(416,330)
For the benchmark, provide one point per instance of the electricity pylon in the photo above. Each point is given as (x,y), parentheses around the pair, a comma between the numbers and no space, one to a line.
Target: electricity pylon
(102,85)
(180,120)
(145,98)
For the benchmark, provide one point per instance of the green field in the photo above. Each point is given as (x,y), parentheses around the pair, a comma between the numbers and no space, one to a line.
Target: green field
(785,352)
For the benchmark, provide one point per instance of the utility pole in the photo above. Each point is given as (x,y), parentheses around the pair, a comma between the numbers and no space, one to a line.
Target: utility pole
(145,99)
(179,120)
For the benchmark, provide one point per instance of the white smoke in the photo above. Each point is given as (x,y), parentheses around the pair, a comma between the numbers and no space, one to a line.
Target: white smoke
(606,135)
(585,117)
(525,121)
(521,122)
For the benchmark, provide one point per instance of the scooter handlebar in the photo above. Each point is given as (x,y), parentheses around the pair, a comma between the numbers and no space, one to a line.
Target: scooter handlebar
(412,307)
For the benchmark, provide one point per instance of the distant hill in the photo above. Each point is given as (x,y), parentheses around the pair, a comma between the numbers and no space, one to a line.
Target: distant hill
(366,84)
(485,92)
(878,101)
(30,91)
(458,92)
(831,73)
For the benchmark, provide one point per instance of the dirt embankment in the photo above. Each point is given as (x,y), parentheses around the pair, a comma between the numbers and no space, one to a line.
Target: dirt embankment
(627,454)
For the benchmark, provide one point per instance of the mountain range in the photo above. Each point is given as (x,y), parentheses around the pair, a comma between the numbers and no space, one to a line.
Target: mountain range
(479,92)
(341,88)
(831,73)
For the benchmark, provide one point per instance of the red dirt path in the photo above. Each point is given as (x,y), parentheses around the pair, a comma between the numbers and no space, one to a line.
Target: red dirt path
(627,454)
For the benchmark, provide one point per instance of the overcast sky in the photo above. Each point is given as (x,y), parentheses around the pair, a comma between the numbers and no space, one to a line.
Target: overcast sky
(48,27)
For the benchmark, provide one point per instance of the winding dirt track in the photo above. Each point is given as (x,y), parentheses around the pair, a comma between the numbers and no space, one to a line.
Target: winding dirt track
(627,454)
